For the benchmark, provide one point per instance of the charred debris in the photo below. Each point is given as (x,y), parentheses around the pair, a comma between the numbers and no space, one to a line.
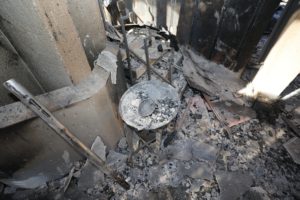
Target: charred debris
(201,141)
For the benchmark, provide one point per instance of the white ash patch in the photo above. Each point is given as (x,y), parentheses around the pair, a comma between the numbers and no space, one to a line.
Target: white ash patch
(163,95)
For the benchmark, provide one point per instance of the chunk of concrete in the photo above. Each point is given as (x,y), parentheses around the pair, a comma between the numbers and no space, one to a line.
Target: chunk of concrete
(198,107)
(90,174)
(256,193)
(137,175)
(211,78)
(180,150)
(123,143)
(108,61)
(116,160)
(185,150)
(197,170)
(167,193)
(30,183)
(233,113)
(233,184)
(293,147)
(173,172)
(170,174)
(203,151)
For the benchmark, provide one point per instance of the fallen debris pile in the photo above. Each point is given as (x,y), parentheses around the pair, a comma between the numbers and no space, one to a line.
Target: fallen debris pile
(217,148)
(211,78)
(202,165)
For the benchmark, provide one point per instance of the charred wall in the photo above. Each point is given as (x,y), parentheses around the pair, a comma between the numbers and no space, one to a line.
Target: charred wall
(225,31)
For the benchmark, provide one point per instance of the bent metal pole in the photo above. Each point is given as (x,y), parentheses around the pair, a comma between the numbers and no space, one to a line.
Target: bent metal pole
(26,98)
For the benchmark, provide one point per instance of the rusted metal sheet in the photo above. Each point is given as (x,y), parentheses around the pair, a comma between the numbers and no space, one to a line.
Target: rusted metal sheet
(17,112)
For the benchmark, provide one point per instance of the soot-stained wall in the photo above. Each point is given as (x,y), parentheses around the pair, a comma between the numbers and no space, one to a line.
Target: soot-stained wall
(225,31)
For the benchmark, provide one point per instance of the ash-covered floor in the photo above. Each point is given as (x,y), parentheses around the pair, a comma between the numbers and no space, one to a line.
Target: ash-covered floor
(218,146)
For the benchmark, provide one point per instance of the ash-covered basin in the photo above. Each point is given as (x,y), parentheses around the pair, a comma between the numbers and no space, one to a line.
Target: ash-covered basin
(149,105)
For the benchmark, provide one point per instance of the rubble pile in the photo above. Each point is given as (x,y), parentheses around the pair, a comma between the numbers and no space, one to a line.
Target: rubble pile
(218,150)
(250,162)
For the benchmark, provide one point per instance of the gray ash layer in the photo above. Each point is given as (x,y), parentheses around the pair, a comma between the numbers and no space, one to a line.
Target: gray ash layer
(164,97)
(253,157)
(253,154)
(201,162)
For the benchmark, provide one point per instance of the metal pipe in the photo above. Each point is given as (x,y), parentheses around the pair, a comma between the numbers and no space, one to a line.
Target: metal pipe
(151,68)
(170,72)
(27,98)
(125,41)
(171,61)
(147,58)
(158,137)
(122,8)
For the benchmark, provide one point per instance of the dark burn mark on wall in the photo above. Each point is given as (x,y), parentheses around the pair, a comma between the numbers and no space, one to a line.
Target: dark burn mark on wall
(162,10)
(255,30)
(54,35)
(207,18)
(185,22)
(2,19)
(234,26)
(49,21)
(10,136)
(217,29)
(51,25)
